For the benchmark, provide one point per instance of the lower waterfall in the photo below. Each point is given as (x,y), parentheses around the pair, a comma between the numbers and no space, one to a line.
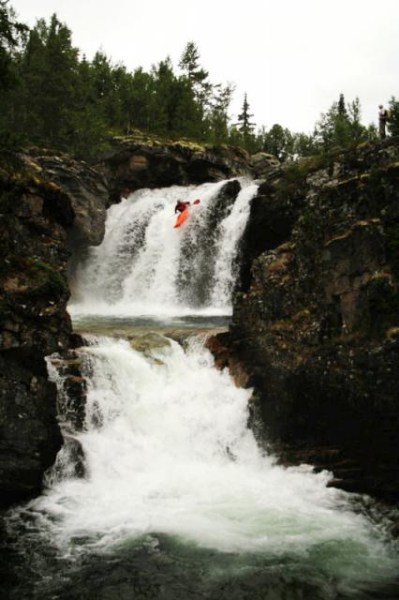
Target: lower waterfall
(173,498)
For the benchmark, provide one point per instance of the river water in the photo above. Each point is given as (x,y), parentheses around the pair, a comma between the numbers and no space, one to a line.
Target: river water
(173,498)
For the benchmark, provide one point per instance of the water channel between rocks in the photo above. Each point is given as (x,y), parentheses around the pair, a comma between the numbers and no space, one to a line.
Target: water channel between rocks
(164,492)
(177,500)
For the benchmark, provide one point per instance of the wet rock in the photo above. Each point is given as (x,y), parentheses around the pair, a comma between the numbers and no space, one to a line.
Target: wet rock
(70,461)
(262,163)
(80,196)
(317,311)
(29,433)
(72,390)
(133,163)
(39,215)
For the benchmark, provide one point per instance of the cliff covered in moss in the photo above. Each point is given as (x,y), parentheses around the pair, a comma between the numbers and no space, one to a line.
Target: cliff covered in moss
(315,326)
(144,161)
(51,209)
(316,316)
(48,204)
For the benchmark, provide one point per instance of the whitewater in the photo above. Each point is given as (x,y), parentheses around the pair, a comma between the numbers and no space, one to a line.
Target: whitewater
(177,497)
(147,267)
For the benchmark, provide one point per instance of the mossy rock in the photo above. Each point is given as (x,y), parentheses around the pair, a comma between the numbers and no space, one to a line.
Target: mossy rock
(33,278)
(152,140)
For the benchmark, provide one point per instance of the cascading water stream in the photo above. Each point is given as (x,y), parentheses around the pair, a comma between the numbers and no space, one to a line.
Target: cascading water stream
(147,267)
(168,455)
(173,499)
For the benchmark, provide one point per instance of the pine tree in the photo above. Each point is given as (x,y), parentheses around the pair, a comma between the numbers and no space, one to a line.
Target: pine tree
(341,108)
(49,69)
(340,126)
(245,127)
(189,63)
(12,35)
(244,119)
(279,142)
(139,107)
(218,118)
(198,77)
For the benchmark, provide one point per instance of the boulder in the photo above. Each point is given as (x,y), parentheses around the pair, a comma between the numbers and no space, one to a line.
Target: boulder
(262,163)
(82,197)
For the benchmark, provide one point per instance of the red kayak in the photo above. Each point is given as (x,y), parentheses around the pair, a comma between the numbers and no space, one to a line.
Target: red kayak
(181,218)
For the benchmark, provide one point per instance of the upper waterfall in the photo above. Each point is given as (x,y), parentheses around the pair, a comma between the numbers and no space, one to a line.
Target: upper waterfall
(145,266)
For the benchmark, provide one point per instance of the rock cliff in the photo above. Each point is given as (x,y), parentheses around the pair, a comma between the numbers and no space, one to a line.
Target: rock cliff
(316,315)
(315,327)
(48,204)
(51,209)
(146,162)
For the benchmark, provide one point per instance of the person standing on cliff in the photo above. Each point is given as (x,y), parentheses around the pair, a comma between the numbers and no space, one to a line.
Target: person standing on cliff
(382,121)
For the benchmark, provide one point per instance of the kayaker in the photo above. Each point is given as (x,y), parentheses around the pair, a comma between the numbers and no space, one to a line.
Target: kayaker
(181,206)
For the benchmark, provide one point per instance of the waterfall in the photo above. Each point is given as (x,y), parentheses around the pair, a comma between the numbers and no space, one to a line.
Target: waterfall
(145,266)
(163,492)
(168,451)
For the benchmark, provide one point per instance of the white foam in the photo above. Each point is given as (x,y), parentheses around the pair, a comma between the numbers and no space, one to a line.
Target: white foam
(137,270)
(173,454)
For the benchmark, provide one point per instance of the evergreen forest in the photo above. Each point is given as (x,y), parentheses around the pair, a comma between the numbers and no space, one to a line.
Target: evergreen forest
(52,96)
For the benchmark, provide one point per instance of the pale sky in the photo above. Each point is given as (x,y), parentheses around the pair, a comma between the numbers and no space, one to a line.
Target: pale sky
(292,57)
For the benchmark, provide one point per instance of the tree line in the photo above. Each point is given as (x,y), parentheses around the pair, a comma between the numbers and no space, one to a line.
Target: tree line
(52,96)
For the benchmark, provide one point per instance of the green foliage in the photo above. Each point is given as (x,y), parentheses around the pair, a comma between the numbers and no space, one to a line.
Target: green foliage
(53,97)
(340,126)
(279,141)
(189,62)
(47,280)
(11,35)
(392,242)
(218,120)
(199,83)
(245,127)
(393,123)
(74,105)
(45,106)
(292,180)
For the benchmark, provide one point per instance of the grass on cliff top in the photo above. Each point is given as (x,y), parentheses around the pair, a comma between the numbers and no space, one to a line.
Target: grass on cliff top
(294,172)
(22,170)
(152,140)
(149,139)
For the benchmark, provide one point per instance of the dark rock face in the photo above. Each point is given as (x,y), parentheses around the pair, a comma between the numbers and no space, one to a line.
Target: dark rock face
(132,165)
(82,197)
(316,319)
(273,213)
(262,162)
(30,437)
(51,209)
(46,204)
